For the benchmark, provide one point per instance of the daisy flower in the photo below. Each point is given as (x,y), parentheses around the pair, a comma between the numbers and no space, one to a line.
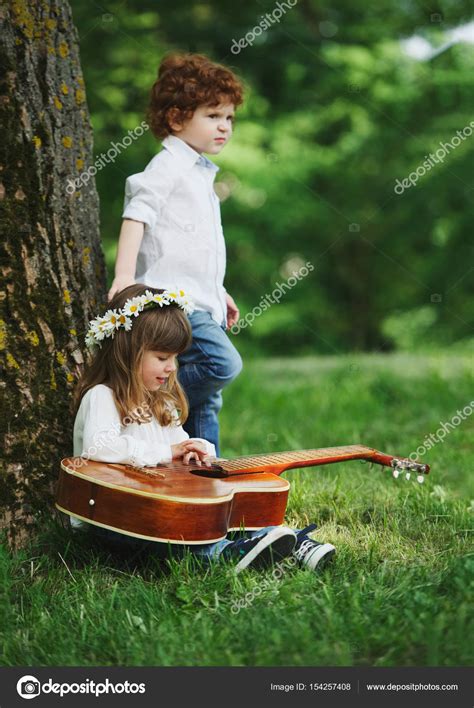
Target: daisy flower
(160,299)
(185,304)
(133,306)
(124,322)
(90,339)
(111,317)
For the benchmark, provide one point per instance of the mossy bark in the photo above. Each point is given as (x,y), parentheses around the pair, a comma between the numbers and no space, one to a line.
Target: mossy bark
(52,265)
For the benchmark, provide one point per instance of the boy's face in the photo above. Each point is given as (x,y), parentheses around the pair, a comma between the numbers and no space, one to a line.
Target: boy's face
(209,129)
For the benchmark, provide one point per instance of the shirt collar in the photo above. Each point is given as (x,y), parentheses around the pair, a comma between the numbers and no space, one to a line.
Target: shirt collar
(186,154)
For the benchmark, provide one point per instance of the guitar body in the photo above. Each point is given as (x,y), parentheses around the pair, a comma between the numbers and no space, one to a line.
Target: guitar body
(179,507)
(180,503)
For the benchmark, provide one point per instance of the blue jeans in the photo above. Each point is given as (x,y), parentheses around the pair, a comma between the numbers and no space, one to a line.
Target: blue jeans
(206,551)
(210,363)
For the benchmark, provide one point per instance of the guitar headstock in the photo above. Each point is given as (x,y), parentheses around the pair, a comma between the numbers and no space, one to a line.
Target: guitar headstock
(400,466)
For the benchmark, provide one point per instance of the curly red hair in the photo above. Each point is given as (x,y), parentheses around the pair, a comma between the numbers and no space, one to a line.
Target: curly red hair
(185,82)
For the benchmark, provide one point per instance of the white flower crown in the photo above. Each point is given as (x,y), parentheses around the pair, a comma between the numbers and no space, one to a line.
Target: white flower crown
(106,326)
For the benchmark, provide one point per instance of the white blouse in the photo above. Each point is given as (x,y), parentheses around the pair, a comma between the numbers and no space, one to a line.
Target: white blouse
(100,435)
(183,243)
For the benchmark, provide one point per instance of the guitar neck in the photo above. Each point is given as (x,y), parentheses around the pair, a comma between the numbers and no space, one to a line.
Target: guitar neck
(278,462)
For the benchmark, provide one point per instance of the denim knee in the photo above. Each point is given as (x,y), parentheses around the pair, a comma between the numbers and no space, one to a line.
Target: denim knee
(228,369)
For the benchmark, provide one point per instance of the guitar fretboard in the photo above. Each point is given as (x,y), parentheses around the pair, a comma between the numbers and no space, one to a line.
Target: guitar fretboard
(254,462)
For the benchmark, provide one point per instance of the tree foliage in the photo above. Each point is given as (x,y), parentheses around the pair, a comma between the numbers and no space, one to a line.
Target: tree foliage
(336,112)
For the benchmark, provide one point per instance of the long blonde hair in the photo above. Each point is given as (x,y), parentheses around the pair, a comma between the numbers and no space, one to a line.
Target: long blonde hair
(119,360)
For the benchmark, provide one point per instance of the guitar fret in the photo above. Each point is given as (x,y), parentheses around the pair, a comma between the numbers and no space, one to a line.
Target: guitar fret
(289,457)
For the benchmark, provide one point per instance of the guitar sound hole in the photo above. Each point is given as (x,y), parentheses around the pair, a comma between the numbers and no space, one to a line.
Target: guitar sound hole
(210,472)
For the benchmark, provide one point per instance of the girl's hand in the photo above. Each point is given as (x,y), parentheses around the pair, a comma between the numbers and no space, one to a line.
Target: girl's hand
(207,459)
(191,450)
(121,282)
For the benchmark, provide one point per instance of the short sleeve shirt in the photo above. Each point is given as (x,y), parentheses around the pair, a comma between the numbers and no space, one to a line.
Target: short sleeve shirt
(183,244)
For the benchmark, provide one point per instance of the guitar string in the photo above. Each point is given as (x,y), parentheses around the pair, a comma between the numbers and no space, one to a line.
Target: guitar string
(267,459)
(289,457)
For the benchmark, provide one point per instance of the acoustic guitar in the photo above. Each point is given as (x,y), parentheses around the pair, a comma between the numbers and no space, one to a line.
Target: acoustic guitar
(183,503)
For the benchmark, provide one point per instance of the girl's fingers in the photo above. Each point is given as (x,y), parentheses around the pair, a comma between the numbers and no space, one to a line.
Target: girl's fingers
(197,443)
(196,447)
(195,450)
(191,456)
(192,445)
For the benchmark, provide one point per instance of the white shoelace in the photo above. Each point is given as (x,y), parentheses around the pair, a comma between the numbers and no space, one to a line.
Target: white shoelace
(304,549)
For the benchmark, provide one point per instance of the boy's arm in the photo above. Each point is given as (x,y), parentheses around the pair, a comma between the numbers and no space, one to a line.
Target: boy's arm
(146,193)
(131,235)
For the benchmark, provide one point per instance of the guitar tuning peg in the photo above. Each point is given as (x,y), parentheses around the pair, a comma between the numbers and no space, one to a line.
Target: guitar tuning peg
(396,472)
(408,475)
(420,478)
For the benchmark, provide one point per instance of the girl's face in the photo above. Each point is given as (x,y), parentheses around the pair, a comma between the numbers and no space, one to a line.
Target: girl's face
(156,368)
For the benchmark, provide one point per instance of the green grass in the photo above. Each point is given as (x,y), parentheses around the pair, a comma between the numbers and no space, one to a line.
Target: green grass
(398,593)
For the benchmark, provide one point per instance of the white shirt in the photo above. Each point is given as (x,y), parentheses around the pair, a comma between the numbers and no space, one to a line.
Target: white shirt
(100,435)
(183,243)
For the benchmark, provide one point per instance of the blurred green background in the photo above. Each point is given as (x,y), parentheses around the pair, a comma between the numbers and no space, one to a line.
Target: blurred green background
(339,106)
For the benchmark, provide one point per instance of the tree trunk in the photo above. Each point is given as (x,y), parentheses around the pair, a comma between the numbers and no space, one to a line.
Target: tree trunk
(51,263)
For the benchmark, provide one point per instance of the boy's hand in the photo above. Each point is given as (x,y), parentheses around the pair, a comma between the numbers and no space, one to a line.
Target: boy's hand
(123,281)
(232,311)
(191,450)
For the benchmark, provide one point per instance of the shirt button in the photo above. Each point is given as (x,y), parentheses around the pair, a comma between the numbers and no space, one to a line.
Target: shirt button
(189,227)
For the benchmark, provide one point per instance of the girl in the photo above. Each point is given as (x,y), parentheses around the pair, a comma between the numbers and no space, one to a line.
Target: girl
(130,408)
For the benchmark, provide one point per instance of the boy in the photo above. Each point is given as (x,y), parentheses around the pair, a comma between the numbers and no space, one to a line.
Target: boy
(171,232)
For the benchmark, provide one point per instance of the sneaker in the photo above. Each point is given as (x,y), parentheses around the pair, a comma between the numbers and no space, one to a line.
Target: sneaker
(311,553)
(262,551)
